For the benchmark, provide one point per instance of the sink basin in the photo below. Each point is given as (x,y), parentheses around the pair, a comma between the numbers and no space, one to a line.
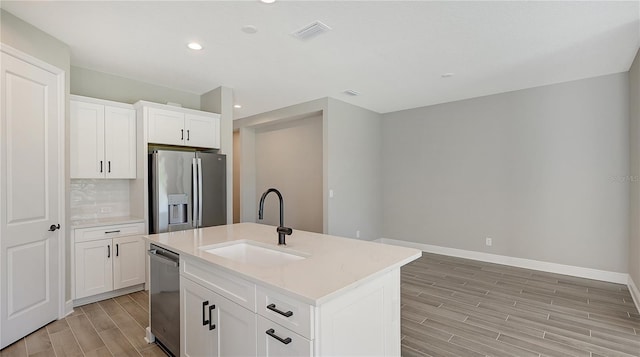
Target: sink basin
(248,252)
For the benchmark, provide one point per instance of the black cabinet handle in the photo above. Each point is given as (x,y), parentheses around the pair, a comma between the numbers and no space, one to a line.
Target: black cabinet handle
(211,326)
(187,134)
(109,232)
(204,316)
(272,307)
(108,251)
(181,134)
(271,332)
(117,250)
(109,166)
(53,227)
(100,165)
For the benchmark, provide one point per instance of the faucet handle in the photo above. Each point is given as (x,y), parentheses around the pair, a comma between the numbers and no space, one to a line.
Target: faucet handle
(284,230)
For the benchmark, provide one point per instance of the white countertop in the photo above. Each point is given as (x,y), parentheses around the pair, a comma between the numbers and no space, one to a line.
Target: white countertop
(95,222)
(333,266)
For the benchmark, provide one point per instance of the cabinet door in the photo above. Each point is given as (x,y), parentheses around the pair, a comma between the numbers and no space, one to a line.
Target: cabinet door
(129,261)
(93,267)
(203,132)
(165,127)
(120,142)
(198,336)
(236,328)
(275,340)
(86,142)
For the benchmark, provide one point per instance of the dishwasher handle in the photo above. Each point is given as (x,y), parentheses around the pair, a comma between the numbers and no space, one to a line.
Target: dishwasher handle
(153,254)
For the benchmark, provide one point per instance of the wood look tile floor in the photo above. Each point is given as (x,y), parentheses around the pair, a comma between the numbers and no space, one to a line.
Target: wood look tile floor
(113,327)
(459,307)
(450,307)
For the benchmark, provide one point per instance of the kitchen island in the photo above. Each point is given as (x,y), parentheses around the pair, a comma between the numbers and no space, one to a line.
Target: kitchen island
(242,294)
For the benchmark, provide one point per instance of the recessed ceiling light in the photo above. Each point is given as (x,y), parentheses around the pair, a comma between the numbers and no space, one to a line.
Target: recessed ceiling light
(267,1)
(195,46)
(237,106)
(447,75)
(250,29)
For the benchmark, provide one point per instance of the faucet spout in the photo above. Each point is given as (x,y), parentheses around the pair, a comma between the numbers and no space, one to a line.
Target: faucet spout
(282,230)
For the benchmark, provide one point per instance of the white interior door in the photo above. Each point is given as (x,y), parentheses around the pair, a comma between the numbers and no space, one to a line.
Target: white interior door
(30,192)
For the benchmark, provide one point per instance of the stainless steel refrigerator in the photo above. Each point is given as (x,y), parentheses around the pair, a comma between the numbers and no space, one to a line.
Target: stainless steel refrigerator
(187,190)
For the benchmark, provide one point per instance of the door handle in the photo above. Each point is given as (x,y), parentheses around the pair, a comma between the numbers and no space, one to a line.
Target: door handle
(205,321)
(108,250)
(117,250)
(187,134)
(272,307)
(100,165)
(54,227)
(211,326)
(271,332)
(181,134)
(109,166)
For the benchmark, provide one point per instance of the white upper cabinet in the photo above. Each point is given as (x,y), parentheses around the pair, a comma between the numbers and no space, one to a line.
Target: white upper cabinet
(103,139)
(182,127)
(202,131)
(166,127)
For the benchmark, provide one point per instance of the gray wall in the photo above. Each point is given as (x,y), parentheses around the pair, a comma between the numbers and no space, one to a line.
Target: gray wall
(288,157)
(247,128)
(634,207)
(101,85)
(351,164)
(354,144)
(30,40)
(542,171)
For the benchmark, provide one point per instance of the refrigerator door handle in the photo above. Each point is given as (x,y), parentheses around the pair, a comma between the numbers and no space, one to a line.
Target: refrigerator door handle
(199,192)
(194,175)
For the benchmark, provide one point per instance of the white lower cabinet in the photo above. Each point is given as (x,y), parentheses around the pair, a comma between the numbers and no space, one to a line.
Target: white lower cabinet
(255,320)
(213,325)
(108,258)
(275,340)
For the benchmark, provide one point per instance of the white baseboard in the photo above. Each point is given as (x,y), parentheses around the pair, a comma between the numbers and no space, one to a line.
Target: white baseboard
(107,295)
(635,293)
(595,274)
(68,308)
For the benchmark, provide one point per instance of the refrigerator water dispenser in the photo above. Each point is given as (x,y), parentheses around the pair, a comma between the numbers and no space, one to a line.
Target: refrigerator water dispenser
(178,208)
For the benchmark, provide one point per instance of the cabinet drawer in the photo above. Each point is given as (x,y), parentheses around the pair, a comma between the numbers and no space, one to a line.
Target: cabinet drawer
(112,231)
(276,340)
(232,287)
(286,311)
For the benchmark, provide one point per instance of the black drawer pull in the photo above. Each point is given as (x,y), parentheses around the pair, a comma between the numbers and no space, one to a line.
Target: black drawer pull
(108,251)
(272,307)
(271,332)
(211,326)
(109,232)
(204,316)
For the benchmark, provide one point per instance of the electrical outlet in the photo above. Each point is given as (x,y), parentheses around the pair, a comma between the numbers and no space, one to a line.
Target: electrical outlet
(488,241)
(358,234)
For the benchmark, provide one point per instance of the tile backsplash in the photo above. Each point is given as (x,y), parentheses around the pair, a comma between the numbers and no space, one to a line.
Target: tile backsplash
(92,199)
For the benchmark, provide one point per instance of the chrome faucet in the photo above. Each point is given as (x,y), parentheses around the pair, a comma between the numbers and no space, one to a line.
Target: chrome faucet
(282,230)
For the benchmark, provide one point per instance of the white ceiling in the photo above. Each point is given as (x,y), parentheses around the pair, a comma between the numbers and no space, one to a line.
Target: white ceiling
(393,52)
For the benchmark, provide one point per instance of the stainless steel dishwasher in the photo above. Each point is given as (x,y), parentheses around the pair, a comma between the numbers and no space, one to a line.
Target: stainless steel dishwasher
(165,298)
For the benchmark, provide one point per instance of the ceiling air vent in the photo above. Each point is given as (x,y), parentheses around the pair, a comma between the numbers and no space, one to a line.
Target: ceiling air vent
(311,30)
(351,92)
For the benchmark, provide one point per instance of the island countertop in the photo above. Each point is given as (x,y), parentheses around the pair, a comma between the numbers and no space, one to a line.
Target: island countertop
(333,265)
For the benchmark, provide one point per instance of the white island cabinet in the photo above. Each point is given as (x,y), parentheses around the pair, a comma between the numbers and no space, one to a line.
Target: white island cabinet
(338,297)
